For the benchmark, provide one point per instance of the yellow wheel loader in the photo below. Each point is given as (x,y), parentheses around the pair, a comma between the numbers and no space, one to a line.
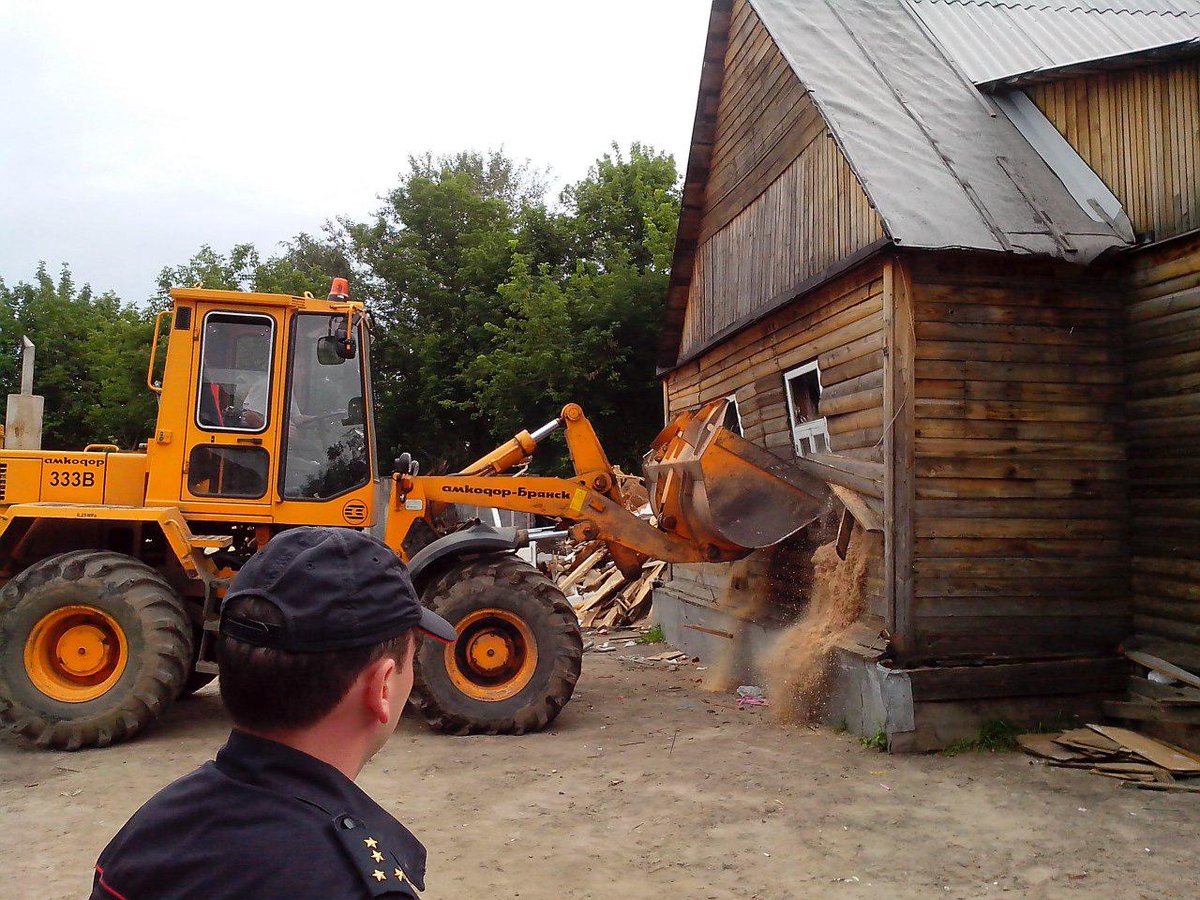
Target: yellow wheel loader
(113,564)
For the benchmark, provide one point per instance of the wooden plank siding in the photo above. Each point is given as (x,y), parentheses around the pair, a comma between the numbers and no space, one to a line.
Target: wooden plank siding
(1162,317)
(1139,130)
(839,325)
(1019,511)
(781,204)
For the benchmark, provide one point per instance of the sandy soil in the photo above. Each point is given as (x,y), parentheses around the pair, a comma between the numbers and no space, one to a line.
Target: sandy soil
(648,787)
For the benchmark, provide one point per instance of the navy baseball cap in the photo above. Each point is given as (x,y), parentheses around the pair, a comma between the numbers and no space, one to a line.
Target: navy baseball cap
(335,588)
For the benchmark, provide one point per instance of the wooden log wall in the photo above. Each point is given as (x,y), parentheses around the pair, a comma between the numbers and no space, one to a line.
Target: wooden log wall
(1020,504)
(781,204)
(1163,344)
(1139,130)
(840,326)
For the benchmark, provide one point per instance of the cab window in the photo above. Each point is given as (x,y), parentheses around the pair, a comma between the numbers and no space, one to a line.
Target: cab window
(326,436)
(218,470)
(235,372)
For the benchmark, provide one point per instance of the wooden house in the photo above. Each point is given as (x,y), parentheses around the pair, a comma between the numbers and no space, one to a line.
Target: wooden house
(946,254)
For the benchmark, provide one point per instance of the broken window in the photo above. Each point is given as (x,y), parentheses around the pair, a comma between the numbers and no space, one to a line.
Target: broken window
(733,416)
(810,431)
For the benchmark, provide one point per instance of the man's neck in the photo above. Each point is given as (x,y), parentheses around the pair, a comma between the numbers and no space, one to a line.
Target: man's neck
(345,756)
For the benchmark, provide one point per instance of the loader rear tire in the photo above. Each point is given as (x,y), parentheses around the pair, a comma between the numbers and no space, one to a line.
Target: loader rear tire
(518,655)
(94,646)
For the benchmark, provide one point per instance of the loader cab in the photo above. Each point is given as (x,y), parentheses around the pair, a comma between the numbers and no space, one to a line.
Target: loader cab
(265,409)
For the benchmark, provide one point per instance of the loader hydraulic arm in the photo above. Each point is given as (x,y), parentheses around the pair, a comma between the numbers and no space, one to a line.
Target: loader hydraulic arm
(692,449)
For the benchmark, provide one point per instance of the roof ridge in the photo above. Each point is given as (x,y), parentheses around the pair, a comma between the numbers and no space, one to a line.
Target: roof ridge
(1088,6)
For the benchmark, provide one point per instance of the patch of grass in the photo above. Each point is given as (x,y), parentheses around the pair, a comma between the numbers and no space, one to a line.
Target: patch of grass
(877,741)
(995,736)
(653,636)
(841,727)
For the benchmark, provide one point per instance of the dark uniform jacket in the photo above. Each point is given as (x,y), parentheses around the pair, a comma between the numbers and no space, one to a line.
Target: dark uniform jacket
(262,821)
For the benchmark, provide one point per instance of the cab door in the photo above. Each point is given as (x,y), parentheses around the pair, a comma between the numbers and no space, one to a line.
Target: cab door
(326,455)
(230,464)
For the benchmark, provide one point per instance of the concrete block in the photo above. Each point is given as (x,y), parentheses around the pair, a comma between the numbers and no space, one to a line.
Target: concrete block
(23,422)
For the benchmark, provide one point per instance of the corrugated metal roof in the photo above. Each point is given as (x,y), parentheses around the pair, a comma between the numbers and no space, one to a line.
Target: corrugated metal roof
(994,40)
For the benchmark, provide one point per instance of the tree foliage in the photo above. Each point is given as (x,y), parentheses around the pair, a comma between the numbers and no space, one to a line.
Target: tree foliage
(492,308)
(92,352)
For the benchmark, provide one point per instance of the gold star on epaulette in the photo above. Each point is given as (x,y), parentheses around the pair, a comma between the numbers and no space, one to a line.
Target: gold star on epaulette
(399,874)
(377,856)
(371,842)
(379,876)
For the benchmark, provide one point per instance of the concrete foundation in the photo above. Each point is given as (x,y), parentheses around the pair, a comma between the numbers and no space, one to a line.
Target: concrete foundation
(865,696)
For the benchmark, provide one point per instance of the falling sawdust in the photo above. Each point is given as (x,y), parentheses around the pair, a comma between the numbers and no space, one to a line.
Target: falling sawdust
(799,662)
(772,580)
(744,596)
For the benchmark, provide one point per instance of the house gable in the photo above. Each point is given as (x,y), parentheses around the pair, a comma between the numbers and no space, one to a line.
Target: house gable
(772,165)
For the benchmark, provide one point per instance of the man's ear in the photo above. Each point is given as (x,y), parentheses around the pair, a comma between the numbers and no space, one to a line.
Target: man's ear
(377,687)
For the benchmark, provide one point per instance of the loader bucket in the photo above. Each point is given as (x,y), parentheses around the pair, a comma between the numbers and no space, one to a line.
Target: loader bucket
(720,490)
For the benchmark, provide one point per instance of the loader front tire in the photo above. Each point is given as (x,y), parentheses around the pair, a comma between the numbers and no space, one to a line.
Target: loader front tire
(518,655)
(94,646)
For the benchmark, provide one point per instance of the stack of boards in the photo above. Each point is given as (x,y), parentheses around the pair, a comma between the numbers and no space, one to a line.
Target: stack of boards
(1169,695)
(600,594)
(1118,753)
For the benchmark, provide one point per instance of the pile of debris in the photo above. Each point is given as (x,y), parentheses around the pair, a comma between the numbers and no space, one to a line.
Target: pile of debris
(1167,695)
(601,595)
(1118,753)
(585,572)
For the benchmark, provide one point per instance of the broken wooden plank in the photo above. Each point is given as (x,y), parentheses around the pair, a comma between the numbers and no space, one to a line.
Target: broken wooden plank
(577,574)
(1128,767)
(864,509)
(716,632)
(1151,711)
(1172,759)
(1164,786)
(1164,667)
(1164,693)
(602,593)
(1043,745)
(1089,740)
(1126,776)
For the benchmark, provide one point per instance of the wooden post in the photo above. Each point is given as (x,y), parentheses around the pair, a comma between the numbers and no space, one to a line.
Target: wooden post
(898,440)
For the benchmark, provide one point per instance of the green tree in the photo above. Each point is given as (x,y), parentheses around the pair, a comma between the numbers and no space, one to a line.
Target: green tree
(588,332)
(211,269)
(493,308)
(434,257)
(92,353)
(305,263)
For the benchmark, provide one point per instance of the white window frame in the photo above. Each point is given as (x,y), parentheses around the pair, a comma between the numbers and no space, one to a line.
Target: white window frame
(807,437)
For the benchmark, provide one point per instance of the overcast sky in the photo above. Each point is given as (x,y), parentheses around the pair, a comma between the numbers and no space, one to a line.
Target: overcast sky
(130,133)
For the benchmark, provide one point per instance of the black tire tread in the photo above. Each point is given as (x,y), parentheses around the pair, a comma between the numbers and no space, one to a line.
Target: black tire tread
(508,572)
(167,656)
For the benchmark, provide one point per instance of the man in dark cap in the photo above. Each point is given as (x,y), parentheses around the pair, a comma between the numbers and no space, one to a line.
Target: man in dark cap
(318,632)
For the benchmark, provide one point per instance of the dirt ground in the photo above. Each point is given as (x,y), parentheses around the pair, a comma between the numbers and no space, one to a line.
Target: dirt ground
(648,787)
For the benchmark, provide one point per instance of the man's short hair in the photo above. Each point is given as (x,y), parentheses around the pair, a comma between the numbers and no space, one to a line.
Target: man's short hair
(266,689)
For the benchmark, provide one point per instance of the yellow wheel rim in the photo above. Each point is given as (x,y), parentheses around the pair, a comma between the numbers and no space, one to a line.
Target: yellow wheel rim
(75,653)
(494,657)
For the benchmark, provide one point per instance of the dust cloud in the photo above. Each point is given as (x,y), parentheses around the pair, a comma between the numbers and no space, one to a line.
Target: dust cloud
(798,664)
(804,582)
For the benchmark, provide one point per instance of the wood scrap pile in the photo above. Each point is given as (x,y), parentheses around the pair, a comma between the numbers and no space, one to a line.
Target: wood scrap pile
(1118,753)
(601,595)
(1166,694)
